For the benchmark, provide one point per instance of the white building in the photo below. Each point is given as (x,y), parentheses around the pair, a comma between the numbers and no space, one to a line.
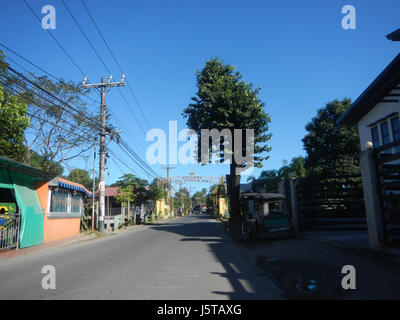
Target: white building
(376,110)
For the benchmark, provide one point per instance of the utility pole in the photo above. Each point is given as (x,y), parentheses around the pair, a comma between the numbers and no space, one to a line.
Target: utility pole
(169,167)
(94,183)
(103,131)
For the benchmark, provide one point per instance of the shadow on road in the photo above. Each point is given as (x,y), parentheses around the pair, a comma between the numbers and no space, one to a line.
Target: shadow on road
(242,276)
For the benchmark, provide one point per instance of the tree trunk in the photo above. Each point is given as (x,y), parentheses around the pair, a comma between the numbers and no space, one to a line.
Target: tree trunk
(234,195)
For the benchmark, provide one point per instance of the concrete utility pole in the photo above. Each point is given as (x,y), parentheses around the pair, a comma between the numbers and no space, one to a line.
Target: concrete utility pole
(103,86)
(94,183)
(169,167)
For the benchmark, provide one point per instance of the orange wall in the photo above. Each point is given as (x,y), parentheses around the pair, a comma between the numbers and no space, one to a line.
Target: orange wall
(56,228)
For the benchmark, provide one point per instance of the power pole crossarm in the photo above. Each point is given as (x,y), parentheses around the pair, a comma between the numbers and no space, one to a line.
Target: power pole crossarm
(103,86)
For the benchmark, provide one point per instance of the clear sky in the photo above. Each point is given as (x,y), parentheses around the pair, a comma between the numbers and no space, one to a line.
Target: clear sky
(296,51)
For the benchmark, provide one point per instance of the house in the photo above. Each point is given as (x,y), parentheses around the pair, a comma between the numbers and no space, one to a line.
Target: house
(116,212)
(63,205)
(37,206)
(376,110)
(22,213)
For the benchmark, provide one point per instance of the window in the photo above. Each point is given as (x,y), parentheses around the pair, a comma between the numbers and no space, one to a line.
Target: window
(65,201)
(375,137)
(385,133)
(76,203)
(396,128)
(59,201)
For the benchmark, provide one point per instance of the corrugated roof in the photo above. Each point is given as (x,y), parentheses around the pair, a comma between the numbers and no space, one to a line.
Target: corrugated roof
(110,191)
(387,80)
(16,166)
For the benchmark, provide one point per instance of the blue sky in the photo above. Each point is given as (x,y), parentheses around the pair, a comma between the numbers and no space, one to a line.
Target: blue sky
(296,51)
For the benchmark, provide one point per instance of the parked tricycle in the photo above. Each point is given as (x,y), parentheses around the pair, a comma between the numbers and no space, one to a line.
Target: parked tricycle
(263,214)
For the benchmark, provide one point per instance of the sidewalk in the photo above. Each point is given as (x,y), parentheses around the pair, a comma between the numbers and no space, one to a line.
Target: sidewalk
(351,239)
(20,252)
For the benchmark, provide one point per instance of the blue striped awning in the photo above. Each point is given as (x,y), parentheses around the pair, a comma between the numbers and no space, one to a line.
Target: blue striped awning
(73,187)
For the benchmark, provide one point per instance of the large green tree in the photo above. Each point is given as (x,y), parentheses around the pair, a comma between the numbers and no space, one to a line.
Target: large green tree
(59,126)
(269,179)
(13,122)
(224,101)
(80,176)
(13,119)
(137,188)
(332,149)
(182,200)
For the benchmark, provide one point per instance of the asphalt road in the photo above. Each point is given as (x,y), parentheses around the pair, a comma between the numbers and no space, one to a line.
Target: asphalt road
(187,258)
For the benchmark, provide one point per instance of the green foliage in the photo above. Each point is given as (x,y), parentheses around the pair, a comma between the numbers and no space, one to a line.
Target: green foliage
(200,197)
(269,178)
(13,122)
(332,149)
(182,197)
(132,189)
(80,176)
(157,191)
(225,101)
(125,194)
(41,162)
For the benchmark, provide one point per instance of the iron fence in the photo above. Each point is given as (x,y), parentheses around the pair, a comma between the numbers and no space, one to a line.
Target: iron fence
(9,231)
(387,160)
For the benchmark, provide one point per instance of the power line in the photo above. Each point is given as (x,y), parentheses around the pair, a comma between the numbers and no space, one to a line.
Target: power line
(116,61)
(135,154)
(115,162)
(135,160)
(85,133)
(86,37)
(104,64)
(55,39)
(82,114)
(59,80)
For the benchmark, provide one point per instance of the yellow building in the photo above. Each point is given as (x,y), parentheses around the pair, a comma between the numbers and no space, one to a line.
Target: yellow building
(219,200)
(162,209)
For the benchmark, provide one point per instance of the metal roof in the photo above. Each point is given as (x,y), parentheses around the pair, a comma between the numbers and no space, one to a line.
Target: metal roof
(394,36)
(25,169)
(377,91)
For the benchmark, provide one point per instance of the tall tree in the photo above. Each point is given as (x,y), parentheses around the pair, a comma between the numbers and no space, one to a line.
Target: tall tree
(57,132)
(60,127)
(269,179)
(80,176)
(332,149)
(225,101)
(13,120)
(182,200)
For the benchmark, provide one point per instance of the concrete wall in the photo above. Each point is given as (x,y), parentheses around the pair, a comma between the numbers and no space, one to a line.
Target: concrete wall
(55,228)
(381,110)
